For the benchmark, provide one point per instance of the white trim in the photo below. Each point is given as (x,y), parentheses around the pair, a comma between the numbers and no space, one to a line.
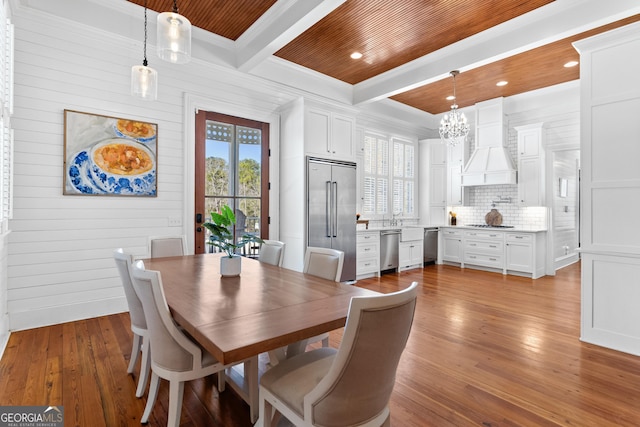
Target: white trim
(47,316)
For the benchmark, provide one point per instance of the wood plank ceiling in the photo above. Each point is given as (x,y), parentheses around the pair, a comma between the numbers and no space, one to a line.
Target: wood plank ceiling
(392,33)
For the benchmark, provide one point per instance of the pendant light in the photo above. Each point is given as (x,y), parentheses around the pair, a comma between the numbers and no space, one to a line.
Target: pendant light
(144,79)
(174,37)
(453,126)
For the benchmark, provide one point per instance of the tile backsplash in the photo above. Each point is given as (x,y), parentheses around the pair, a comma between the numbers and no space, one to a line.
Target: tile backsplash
(480,203)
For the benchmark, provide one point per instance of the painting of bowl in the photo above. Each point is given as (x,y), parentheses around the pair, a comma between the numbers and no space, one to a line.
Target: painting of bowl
(123,166)
(140,131)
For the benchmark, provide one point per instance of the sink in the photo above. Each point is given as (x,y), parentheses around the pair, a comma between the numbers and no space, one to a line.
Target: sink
(411,233)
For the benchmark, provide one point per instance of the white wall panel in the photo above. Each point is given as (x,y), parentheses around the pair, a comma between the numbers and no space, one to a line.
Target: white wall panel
(60,266)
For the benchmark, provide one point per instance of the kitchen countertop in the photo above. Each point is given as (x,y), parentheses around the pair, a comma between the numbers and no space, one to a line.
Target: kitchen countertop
(517,228)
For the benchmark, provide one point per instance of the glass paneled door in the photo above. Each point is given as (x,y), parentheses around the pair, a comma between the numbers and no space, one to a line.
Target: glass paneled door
(232,168)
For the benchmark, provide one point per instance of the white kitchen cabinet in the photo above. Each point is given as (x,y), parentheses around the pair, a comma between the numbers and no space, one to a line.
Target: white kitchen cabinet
(524,253)
(329,134)
(531,164)
(451,242)
(455,191)
(367,254)
(484,248)
(509,252)
(410,255)
(437,183)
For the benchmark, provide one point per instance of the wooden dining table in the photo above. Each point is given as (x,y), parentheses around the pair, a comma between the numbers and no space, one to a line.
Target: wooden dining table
(238,318)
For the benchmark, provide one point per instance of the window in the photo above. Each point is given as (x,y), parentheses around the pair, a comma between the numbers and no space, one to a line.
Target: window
(388,190)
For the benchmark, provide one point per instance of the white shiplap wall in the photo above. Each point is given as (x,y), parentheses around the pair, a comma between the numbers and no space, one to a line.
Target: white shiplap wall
(59,264)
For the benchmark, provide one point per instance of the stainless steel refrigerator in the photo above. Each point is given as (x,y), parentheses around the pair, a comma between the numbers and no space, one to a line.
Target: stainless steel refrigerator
(331,209)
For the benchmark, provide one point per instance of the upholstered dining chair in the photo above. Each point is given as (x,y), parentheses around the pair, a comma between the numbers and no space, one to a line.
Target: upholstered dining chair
(174,355)
(138,323)
(323,262)
(272,252)
(350,386)
(165,246)
(326,263)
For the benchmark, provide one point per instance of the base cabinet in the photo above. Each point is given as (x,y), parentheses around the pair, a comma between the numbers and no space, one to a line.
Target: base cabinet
(519,253)
(367,254)
(410,255)
(451,245)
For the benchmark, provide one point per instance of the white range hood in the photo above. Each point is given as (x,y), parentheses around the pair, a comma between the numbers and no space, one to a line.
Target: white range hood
(490,163)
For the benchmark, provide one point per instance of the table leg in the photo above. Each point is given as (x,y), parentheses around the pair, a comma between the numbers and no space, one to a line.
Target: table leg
(251,375)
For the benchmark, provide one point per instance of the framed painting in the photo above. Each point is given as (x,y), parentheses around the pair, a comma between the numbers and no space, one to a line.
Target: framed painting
(109,156)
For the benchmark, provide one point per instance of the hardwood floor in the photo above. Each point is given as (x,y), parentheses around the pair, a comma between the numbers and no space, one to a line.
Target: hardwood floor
(485,350)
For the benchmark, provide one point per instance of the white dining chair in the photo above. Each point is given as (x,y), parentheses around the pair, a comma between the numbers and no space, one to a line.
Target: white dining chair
(350,386)
(322,262)
(326,263)
(165,246)
(271,252)
(138,323)
(174,355)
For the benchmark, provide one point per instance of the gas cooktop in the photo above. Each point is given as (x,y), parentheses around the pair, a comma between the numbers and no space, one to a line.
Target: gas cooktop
(489,226)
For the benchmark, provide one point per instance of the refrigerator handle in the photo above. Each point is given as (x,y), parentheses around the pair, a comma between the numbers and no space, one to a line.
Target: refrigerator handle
(335,209)
(328,210)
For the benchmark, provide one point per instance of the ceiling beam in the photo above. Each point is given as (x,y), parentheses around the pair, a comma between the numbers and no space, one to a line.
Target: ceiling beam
(553,22)
(285,21)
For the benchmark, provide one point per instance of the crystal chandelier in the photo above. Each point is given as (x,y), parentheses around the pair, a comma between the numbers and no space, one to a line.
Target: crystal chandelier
(144,79)
(174,36)
(453,126)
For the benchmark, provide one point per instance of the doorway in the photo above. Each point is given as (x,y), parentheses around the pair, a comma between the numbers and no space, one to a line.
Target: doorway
(231,168)
(566,206)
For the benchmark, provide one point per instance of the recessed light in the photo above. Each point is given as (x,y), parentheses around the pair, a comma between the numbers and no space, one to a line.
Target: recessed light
(502,83)
(571,64)
(356,55)
(450,98)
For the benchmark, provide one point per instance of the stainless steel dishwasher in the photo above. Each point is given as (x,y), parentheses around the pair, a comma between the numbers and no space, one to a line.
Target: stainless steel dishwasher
(430,245)
(389,246)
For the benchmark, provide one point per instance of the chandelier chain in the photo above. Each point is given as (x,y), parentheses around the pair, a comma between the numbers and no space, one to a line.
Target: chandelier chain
(175,6)
(144,61)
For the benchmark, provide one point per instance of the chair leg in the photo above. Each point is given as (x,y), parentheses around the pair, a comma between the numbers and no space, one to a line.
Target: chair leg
(145,367)
(151,397)
(135,349)
(176,392)
(266,411)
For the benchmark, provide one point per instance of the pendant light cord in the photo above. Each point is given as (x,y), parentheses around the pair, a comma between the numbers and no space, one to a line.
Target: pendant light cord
(144,61)
(175,6)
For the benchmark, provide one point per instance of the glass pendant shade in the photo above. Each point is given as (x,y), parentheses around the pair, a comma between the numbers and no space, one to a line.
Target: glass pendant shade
(174,38)
(144,82)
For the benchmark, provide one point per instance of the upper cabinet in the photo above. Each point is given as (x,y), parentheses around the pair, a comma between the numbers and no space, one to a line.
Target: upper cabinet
(456,158)
(329,134)
(531,164)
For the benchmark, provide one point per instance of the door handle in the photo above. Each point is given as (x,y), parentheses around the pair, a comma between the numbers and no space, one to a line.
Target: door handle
(199,229)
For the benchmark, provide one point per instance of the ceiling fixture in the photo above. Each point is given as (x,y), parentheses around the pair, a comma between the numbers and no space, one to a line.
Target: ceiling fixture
(502,83)
(571,64)
(174,37)
(453,126)
(144,79)
(356,55)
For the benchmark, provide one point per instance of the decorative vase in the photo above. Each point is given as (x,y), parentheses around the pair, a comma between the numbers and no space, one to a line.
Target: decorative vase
(230,266)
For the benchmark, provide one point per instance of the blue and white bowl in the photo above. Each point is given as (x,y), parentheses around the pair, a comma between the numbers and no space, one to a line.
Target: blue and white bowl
(142,132)
(124,180)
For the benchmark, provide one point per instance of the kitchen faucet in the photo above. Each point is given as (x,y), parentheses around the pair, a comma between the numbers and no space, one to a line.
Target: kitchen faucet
(394,220)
